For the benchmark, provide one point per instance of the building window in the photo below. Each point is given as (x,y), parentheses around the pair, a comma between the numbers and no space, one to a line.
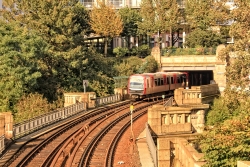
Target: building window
(88,3)
(116,3)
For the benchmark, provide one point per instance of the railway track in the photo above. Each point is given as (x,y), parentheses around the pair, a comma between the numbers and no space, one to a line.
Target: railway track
(88,140)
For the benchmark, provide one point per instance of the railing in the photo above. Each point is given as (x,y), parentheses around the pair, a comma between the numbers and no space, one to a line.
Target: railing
(107,100)
(37,123)
(169,102)
(2,145)
(151,146)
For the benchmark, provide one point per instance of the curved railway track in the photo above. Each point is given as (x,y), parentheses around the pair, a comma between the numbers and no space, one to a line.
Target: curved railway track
(87,140)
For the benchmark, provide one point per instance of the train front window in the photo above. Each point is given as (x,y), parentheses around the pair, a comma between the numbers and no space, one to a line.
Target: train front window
(137,85)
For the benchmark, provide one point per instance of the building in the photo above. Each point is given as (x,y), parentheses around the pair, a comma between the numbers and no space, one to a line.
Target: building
(117,3)
(1,6)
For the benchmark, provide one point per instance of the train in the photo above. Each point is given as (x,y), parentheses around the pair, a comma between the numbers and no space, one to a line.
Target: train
(151,85)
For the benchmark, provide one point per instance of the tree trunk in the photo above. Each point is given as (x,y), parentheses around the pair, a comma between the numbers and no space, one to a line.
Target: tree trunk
(105,46)
(170,37)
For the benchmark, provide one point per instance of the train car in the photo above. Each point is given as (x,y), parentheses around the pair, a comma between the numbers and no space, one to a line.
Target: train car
(149,85)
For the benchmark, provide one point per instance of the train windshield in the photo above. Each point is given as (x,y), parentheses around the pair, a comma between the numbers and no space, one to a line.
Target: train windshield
(136,83)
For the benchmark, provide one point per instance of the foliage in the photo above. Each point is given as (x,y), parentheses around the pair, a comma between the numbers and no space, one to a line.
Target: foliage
(20,69)
(158,16)
(120,51)
(204,38)
(149,65)
(130,18)
(218,113)
(128,66)
(99,73)
(133,64)
(226,144)
(30,106)
(133,51)
(62,24)
(172,51)
(203,15)
(237,55)
(206,19)
(143,51)
(147,25)
(105,21)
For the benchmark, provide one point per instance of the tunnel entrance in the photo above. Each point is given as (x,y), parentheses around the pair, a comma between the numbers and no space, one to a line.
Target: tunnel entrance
(197,78)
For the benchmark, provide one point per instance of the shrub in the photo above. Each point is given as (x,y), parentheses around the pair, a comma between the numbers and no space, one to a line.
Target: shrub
(120,51)
(143,51)
(134,51)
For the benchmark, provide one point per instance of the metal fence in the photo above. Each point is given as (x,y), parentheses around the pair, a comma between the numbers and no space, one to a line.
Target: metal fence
(37,123)
(107,100)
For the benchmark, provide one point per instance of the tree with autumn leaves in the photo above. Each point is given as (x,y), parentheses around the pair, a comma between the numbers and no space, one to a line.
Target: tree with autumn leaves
(227,139)
(159,16)
(106,22)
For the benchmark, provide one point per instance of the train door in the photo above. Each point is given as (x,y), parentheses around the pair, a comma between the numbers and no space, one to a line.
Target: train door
(151,84)
(168,83)
(171,82)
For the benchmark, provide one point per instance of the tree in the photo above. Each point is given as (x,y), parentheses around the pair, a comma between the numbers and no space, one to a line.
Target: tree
(130,18)
(20,51)
(226,144)
(63,24)
(149,65)
(237,55)
(106,22)
(159,16)
(204,38)
(206,19)
(228,141)
(100,72)
(205,14)
(128,66)
(30,106)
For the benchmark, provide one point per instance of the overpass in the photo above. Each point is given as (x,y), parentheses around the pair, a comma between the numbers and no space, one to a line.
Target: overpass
(203,69)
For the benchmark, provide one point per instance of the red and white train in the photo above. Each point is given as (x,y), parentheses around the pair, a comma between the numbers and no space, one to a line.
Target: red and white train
(149,85)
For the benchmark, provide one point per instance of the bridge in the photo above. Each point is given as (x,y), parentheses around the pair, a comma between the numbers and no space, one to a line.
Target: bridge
(203,69)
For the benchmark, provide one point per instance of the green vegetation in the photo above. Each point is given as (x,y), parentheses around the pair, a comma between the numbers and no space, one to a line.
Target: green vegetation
(173,51)
(36,69)
(43,55)
(106,22)
(130,18)
(227,139)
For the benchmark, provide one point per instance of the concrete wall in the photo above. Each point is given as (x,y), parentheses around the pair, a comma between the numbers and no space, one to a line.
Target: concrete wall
(243,164)
(6,124)
(176,120)
(194,63)
(72,98)
(177,152)
(203,94)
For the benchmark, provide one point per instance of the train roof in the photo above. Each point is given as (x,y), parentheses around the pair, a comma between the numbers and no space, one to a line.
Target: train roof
(157,74)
